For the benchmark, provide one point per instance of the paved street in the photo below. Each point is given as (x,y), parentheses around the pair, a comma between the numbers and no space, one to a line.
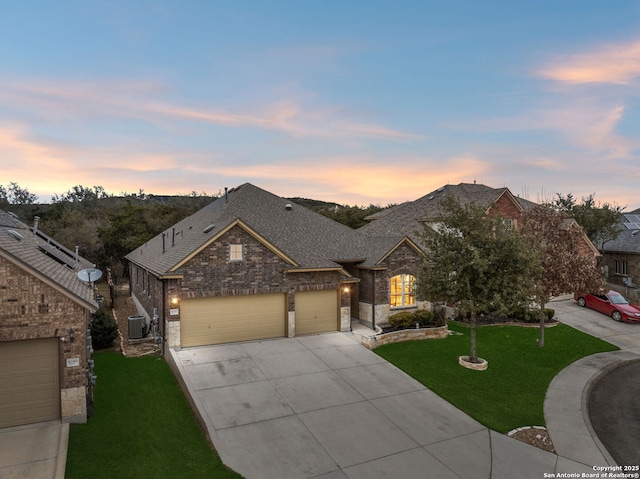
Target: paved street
(603,413)
(614,407)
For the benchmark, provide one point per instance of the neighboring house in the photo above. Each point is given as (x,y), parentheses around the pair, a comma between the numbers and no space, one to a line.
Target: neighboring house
(406,223)
(44,314)
(252,265)
(621,257)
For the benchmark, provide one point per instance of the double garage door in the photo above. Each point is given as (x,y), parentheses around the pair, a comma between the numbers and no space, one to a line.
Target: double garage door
(29,382)
(229,319)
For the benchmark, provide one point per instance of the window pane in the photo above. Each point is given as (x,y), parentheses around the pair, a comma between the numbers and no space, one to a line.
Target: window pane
(402,290)
(235,252)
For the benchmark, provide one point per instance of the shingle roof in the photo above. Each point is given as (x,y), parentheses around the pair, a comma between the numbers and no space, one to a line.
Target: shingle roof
(308,239)
(408,218)
(629,239)
(37,253)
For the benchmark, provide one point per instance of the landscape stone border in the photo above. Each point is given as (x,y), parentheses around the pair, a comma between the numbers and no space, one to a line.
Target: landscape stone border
(376,340)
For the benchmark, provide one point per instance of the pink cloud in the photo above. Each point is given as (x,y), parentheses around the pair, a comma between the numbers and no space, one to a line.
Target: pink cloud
(75,101)
(618,64)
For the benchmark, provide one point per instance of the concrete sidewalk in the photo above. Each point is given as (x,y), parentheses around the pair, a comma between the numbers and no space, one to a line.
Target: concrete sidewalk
(324,406)
(34,451)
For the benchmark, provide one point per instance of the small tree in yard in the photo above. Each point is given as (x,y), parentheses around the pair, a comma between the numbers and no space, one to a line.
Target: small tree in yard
(565,268)
(104,329)
(479,262)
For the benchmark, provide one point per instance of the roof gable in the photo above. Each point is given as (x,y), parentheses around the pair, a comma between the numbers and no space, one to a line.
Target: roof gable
(408,218)
(221,233)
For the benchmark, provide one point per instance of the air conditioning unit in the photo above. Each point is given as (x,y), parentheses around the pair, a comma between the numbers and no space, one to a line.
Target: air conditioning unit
(137,327)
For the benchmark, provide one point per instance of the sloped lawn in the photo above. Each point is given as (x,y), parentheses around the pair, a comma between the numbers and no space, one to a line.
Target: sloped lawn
(142,427)
(511,392)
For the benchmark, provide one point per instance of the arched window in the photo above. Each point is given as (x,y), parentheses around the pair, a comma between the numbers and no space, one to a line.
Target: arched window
(402,290)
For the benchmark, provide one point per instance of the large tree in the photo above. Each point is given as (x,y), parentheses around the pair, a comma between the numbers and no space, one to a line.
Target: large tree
(479,263)
(568,265)
(14,194)
(600,221)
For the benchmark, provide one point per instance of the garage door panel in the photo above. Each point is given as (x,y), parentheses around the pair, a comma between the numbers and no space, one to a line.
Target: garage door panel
(316,312)
(29,382)
(232,318)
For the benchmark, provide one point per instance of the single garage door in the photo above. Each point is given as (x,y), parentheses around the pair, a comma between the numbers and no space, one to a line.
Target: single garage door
(29,382)
(229,319)
(316,312)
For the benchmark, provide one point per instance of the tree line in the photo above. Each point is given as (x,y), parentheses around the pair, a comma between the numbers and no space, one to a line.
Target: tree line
(106,227)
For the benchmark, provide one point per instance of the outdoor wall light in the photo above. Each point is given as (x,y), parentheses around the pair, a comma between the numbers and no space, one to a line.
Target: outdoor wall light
(175,301)
(345,289)
(72,335)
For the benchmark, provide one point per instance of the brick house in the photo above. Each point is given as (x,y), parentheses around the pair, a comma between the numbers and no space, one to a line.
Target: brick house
(621,257)
(404,224)
(44,314)
(252,265)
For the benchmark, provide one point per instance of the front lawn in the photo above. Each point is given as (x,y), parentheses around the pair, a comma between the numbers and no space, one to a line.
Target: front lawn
(142,427)
(511,392)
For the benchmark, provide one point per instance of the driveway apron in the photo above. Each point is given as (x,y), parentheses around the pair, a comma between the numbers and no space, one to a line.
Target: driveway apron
(324,406)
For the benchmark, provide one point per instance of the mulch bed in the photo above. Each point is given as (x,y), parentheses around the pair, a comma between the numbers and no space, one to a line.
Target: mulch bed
(122,308)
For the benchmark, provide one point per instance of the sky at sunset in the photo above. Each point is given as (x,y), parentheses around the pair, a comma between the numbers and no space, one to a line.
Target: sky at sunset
(356,102)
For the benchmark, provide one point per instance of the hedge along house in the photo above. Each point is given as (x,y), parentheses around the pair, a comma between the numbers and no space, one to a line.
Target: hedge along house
(250,265)
(44,315)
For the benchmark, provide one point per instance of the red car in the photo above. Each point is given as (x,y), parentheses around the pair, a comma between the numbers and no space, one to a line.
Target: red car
(612,304)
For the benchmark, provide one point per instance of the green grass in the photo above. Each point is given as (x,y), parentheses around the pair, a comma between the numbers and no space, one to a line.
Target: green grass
(142,427)
(510,393)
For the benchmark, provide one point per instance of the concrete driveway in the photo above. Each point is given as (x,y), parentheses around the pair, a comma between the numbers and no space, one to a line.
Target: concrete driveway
(324,406)
(624,335)
(34,451)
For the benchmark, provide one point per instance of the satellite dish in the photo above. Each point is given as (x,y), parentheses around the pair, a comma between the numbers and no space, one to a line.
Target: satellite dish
(89,275)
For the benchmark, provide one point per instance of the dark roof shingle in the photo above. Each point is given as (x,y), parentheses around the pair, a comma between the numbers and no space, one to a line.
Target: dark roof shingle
(42,256)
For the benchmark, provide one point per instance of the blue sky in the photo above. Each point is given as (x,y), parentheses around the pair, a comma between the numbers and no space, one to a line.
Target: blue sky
(347,101)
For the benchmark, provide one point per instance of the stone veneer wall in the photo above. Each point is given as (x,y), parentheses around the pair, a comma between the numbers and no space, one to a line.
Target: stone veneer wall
(31,309)
(403,260)
(374,341)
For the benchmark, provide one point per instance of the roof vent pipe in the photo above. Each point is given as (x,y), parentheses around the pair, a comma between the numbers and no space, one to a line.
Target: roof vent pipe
(226,194)
(36,220)
(77,251)
(173,238)
(163,237)
(288,206)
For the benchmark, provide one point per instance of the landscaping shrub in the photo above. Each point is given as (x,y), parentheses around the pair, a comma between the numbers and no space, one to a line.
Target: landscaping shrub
(424,318)
(527,315)
(403,320)
(440,315)
(104,329)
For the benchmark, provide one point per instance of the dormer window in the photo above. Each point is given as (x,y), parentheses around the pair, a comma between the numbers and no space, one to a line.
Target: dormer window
(235,252)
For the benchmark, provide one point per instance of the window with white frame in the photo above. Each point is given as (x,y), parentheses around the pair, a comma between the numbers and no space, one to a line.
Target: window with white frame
(402,291)
(235,252)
